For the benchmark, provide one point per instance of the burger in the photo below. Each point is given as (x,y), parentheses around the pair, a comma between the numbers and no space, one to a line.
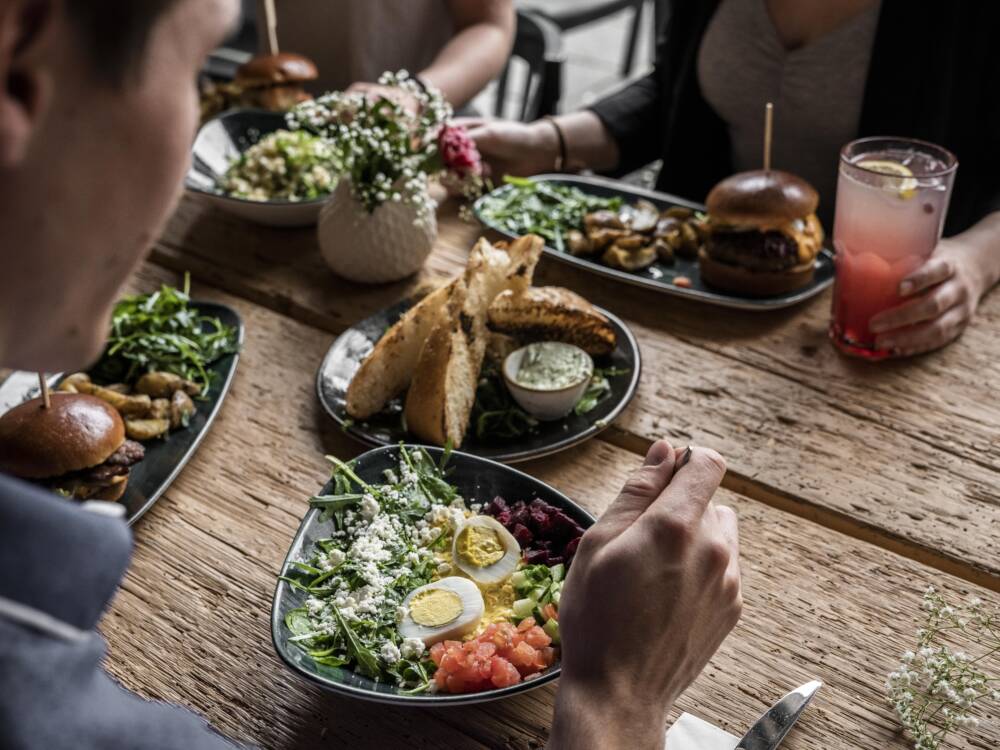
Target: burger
(76,446)
(272,82)
(275,82)
(763,234)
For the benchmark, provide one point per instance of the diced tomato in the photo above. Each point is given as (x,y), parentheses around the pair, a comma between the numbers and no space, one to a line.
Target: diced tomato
(437,651)
(504,673)
(523,657)
(537,638)
(550,612)
(527,622)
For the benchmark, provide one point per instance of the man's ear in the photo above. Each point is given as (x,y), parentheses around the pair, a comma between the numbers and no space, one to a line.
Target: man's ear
(25,85)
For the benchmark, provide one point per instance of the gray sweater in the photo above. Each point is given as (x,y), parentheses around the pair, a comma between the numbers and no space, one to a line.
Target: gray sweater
(59,568)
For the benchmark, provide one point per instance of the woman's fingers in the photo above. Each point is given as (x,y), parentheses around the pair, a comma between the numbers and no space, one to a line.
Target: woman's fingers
(925,337)
(934,271)
(931,305)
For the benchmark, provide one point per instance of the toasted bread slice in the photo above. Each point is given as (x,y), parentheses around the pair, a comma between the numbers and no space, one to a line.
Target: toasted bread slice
(554,314)
(443,390)
(387,370)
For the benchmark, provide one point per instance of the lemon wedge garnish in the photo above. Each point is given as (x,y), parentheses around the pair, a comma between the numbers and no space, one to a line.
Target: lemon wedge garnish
(905,187)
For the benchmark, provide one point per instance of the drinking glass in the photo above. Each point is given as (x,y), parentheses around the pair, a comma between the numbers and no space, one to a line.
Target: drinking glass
(892,196)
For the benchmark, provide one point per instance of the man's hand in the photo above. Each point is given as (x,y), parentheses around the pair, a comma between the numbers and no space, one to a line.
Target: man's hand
(653,591)
(944,294)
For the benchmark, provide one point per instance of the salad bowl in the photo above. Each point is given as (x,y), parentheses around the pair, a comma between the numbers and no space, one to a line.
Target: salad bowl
(218,143)
(477,480)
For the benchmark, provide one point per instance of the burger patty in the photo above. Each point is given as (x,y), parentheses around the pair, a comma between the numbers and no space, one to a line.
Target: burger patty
(87,481)
(753,250)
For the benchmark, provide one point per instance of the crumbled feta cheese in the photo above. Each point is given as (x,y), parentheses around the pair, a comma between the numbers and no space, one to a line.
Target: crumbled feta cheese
(389,652)
(412,648)
(401,613)
(335,557)
(443,569)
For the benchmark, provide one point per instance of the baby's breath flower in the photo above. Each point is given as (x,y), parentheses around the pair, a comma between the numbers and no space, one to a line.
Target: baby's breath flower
(935,689)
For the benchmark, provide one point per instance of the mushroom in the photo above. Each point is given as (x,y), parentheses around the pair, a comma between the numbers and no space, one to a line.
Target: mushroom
(578,243)
(160,408)
(605,219)
(644,217)
(664,251)
(629,260)
(600,238)
(679,212)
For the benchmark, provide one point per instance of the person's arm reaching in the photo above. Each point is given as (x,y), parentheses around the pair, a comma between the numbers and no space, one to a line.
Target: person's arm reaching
(944,292)
(663,562)
(475,55)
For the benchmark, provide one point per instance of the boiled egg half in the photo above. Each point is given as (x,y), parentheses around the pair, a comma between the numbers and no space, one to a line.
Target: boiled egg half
(484,550)
(442,610)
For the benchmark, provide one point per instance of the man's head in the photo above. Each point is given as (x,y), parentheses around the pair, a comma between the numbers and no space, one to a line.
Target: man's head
(97,113)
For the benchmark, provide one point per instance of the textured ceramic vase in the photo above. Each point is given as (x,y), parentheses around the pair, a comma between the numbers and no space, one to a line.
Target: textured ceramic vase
(376,247)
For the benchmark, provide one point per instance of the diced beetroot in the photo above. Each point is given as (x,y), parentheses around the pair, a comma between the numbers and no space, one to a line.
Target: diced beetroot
(520,514)
(537,557)
(498,505)
(556,559)
(565,526)
(504,517)
(523,535)
(539,504)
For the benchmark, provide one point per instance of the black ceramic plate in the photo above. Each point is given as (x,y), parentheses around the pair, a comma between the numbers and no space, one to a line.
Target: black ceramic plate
(218,143)
(351,347)
(477,479)
(164,458)
(660,276)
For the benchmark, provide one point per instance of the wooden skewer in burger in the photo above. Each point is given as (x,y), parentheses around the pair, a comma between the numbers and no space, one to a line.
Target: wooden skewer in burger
(763,233)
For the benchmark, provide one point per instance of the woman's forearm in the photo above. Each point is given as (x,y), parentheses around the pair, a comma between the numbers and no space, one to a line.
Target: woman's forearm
(477,52)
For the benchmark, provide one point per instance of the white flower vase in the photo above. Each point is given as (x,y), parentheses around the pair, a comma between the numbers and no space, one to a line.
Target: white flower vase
(374,248)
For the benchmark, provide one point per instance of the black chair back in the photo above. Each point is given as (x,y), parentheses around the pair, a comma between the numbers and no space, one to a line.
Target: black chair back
(538,43)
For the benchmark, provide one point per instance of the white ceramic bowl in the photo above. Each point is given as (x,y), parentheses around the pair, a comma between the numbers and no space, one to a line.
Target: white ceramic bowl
(223,139)
(546,404)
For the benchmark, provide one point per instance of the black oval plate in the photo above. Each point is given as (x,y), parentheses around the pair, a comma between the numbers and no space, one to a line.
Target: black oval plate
(660,276)
(165,458)
(477,479)
(351,347)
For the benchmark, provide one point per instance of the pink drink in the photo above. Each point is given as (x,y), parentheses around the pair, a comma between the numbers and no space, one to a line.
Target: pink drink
(888,221)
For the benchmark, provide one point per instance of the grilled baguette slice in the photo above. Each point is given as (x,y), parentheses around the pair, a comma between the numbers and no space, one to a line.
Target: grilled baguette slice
(443,390)
(387,370)
(551,313)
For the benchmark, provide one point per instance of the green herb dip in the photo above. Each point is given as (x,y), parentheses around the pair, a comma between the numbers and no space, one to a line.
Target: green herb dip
(552,366)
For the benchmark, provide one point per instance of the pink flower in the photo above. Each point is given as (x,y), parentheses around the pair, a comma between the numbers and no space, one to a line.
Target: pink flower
(459,152)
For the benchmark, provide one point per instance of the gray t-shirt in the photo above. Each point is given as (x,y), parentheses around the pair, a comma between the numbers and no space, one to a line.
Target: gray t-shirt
(59,567)
(817,91)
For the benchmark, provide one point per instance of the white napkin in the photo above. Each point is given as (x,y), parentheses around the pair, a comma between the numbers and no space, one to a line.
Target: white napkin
(691,733)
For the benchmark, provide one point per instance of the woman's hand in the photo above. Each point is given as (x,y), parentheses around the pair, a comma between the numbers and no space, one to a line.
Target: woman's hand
(944,294)
(373,92)
(652,593)
(514,148)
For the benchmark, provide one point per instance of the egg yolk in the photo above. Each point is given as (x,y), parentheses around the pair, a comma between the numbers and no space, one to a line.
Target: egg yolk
(480,546)
(435,607)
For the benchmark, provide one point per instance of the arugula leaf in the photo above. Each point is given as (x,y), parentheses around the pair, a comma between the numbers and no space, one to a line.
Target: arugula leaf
(365,658)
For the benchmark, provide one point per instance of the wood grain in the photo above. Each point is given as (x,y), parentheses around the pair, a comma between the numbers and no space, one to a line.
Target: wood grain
(904,455)
(191,623)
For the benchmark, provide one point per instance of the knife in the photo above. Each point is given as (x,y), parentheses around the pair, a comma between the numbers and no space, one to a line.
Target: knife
(772,727)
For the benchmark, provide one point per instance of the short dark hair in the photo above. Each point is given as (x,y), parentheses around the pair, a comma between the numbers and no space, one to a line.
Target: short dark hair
(116,32)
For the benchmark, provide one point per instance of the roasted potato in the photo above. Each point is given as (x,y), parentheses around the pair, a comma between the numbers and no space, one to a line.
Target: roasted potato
(181,410)
(632,242)
(679,212)
(160,409)
(163,385)
(72,383)
(146,429)
(123,388)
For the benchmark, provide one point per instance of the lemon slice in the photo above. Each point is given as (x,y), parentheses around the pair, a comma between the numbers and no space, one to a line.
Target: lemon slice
(905,187)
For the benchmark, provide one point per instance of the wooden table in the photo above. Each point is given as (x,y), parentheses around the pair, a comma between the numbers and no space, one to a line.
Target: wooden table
(856,485)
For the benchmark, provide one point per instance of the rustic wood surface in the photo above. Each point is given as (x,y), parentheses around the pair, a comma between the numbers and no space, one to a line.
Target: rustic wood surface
(191,623)
(903,454)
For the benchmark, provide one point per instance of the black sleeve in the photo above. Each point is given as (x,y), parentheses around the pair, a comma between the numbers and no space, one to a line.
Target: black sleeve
(632,117)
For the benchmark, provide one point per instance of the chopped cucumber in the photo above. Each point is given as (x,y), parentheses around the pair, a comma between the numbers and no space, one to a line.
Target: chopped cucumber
(518,579)
(539,593)
(552,628)
(558,572)
(556,596)
(523,608)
